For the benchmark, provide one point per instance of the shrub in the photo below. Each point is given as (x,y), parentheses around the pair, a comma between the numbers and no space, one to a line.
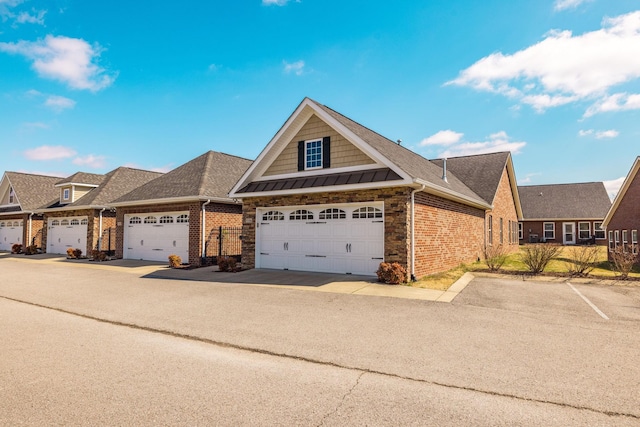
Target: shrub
(391,273)
(494,256)
(31,250)
(623,261)
(583,260)
(97,255)
(16,248)
(70,253)
(77,253)
(227,263)
(175,261)
(538,255)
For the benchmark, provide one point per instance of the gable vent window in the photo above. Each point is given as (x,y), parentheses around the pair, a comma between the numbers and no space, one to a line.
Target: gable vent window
(314,154)
(12,196)
(65,194)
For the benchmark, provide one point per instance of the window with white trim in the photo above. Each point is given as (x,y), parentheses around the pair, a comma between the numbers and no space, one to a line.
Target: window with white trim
(65,194)
(549,230)
(625,240)
(135,220)
(332,213)
(584,230)
(12,196)
(273,216)
(490,228)
(611,247)
(367,212)
(634,241)
(301,214)
(617,238)
(520,231)
(151,220)
(598,231)
(166,219)
(183,219)
(313,154)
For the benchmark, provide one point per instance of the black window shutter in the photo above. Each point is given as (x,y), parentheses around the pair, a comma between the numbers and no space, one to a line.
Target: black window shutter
(301,155)
(326,152)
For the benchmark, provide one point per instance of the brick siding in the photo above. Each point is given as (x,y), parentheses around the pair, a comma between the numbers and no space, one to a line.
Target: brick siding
(627,214)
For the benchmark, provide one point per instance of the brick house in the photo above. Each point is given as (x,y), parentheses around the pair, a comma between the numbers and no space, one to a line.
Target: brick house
(328,194)
(178,212)
(82,216)
(564,213)
(21,194)
(622,221)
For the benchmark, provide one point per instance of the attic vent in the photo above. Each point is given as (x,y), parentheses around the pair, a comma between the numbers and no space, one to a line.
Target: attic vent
(444,171)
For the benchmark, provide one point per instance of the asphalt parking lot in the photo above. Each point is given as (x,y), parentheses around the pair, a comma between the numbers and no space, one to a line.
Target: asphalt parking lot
(520,342)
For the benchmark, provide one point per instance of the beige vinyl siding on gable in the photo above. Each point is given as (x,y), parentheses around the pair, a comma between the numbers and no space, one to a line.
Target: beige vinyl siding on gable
(5,199)
(75,193)
(343,153)
(80,191)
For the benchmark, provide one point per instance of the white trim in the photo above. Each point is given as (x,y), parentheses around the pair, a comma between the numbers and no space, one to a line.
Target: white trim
(79,184)
(573,233)
(623,189)
(452,195)
(589,230)
(171,200)
(544,230)
(317,172)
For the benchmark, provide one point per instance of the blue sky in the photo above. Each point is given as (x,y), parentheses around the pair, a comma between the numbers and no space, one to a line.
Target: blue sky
(93,85)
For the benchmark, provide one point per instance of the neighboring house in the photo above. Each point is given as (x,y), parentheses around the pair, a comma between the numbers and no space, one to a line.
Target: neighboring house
(83,215)
(567,214)
(622,222)
(328,194)
(178,212)
(21,194)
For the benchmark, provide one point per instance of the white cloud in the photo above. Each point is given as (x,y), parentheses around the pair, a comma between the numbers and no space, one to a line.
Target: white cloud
(613,186)
(527,178)
(48,152)
(36,18)
(90,160)
(59,103)
(296,67)
(212,68)
(35,125)
(564,68)
(276,2)
(443,137)
(69,60)
(601,134)
(568,4)
(499,141)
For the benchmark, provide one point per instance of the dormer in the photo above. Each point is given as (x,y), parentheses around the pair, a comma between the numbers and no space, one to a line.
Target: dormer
(8,197)
(77,185)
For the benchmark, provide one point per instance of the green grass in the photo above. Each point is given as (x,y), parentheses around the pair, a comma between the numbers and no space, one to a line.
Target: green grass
(558,265)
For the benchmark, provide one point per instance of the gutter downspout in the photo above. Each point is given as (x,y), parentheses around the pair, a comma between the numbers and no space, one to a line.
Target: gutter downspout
(30,229)
(100,230)
(413,228)
(204,223)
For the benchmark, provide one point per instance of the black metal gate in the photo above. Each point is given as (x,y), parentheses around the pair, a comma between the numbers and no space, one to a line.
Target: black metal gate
(223,241)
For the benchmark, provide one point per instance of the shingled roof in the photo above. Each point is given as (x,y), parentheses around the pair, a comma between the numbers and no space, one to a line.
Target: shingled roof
(82,178)
(33,191)
(587,200)
(209,176)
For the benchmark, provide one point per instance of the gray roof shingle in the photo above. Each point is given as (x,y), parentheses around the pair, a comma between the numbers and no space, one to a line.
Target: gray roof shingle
(587,200)
(210,175)
(33,191)
(82,178)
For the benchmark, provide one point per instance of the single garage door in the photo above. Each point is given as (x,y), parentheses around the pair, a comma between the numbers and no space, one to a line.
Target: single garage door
(10,234)
(346,238)
(155,236)
(65,233)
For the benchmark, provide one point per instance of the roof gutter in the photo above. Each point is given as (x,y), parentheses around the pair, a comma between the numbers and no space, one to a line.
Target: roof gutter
(167,200)
(413,234)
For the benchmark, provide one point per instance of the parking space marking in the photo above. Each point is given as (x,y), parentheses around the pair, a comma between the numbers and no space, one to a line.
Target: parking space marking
(592,305)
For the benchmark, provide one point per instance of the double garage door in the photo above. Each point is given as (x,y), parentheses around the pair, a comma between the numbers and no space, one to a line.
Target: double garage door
(10,233)
(345,238)
(65,233)
(155,236)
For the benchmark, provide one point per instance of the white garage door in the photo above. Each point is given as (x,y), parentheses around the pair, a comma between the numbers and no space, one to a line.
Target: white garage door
(346,238)
(10,234)
(65,233)
(155,236)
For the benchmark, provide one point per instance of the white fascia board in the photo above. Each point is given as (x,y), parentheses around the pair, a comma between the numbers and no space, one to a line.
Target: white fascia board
(623,189)
(173,200)
(452,195)
(328,189)
(20,212)
(76,184)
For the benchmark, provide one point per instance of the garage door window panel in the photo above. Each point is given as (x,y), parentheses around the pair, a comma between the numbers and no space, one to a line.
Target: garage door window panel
(301,215)
(167,219)
(183,219)
(332,213)
(150,220)
(273,216)
(367,212)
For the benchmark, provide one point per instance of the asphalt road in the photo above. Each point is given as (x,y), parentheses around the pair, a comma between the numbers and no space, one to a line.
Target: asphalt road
(84,346)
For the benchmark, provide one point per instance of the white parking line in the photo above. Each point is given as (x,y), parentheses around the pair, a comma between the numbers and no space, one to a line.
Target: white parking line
(592,305)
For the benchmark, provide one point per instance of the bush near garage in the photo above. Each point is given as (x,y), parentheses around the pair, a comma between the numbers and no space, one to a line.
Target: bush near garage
(97,255)
(227,264)
(16,248)
(31,250)
(175,261)
(391,273)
